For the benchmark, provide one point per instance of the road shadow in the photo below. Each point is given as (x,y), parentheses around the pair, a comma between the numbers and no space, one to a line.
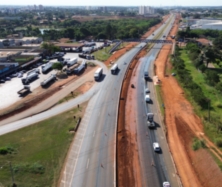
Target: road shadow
(159,152)
(157,125)
(24,95)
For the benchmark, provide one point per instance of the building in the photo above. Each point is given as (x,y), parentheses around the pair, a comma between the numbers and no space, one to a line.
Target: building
(143,10)
(28,40)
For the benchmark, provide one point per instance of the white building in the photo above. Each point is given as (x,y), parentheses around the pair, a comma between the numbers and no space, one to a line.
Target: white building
(143,10)
(205,24)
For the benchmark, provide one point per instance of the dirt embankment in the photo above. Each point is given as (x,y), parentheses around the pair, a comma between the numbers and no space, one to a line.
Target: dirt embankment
(196,168)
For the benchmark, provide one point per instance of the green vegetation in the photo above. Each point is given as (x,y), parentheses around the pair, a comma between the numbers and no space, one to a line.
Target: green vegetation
(202,84)
(160,99)
(197,144)
(103,55)
(37,152)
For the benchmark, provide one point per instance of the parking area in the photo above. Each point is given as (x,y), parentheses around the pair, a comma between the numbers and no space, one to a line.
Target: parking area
(9,89)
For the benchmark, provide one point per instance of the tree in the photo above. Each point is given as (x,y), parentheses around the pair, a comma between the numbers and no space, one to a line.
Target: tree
(57,66)
(212,77)
(218,42)
(50,47)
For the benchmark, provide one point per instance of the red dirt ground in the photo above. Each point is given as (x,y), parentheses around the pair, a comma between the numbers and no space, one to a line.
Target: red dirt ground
(119,53)
(196,168)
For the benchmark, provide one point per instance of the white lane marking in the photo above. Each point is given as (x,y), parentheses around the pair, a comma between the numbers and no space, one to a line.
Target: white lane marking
(94,133)
(87,164)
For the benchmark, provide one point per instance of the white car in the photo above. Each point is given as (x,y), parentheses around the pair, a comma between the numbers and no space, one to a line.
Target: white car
(156,147)
(166,184)
(147,98)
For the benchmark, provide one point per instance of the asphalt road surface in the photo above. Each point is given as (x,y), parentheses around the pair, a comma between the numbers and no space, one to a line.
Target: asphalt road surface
(156,167)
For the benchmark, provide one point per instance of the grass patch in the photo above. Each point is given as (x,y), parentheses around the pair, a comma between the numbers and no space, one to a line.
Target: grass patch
(160,99)
(23,59)
(38,151)
(103,54)
(219,163)
(69,97)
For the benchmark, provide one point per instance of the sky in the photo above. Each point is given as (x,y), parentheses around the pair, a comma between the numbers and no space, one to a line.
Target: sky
(114,2)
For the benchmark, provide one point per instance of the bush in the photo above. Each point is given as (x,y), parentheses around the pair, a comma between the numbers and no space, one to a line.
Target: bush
(6,150)
(35,168)
(219,142)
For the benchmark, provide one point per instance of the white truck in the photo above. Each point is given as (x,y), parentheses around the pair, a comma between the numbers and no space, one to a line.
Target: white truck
(114,69)
(71,62)
(98,74)
(150,122)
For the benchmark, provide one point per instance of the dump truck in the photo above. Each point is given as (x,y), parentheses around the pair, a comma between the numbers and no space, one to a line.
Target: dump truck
(24,90)
(150,122)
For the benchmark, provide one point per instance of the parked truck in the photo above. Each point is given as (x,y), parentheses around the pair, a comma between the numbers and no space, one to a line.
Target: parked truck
(71,69)
(46,68)
(31,77)
(71,62)
(98,74)
(150,122)
(24,90)
(36,70)
(48,80)
(81,68)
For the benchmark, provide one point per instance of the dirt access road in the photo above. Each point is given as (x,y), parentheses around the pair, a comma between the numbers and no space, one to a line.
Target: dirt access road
(196,168)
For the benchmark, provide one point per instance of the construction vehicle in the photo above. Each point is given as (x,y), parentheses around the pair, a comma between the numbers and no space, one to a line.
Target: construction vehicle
(24,90)
(150,122)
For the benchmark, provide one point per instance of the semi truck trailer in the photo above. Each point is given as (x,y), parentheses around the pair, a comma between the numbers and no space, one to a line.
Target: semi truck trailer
(24,90)
(48,80)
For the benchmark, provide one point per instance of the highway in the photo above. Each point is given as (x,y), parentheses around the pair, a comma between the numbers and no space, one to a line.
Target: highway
(94,163)
(163,169)
(92,157)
